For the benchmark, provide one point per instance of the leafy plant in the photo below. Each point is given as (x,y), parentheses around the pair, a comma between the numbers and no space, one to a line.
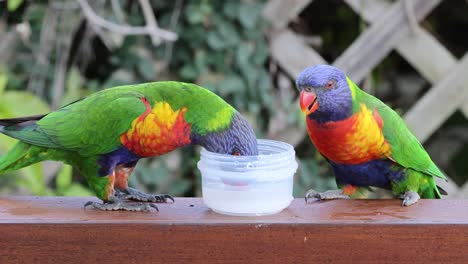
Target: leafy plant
(12,5)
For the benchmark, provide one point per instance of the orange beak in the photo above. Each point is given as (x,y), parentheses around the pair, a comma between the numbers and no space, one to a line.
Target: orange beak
(308,102)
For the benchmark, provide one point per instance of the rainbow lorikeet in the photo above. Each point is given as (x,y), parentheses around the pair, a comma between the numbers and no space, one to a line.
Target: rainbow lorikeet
(365,141)
(105,134)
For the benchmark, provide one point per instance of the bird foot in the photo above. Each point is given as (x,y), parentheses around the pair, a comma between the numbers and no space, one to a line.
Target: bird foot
(136,195)
(409,198)
(327,195)
(116,204)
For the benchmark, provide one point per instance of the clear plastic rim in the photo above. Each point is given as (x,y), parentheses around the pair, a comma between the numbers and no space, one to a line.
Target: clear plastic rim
(280,150)
(279,159)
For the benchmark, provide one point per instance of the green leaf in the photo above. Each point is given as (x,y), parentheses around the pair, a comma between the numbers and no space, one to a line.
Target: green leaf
(232,84)
(231,9)
(3,80)
(188,72)
(201,61)
(220,61)
(206,7)
(239,102)
(12,5)
(179,187)
(308,170)
(73,82)
(249,15)
(34,14)
(73,87)
(77,190)
(250,73)
(228,32)
(194,38)
(158,175)
(209,85)
(243,53)
(182,55)
(33,180)
(146,69)
(254,107)
(195,14)
(215,40)
(263,81)
(64,178)
(29,104)
(260,55)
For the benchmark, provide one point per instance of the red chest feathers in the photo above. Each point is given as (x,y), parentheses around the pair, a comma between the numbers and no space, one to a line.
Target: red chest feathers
(157,131)
(355,140)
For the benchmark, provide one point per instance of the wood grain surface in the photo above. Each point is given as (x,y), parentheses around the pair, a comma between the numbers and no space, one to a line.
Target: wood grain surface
(59,230)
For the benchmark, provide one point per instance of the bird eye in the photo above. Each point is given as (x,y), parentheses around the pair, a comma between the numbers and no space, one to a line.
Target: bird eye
(330,84)
(308,89)
(235,152)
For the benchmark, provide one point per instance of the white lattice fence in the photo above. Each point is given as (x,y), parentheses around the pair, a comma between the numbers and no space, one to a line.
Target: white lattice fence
(393,26)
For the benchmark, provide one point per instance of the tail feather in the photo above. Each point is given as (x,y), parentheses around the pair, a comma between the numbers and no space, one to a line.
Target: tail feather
(18,120)
(437,191)
(441,191)
(18,157)
(22,154)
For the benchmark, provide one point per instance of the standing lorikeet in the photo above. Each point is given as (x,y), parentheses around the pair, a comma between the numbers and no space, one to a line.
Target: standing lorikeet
(105,134)
(364,140)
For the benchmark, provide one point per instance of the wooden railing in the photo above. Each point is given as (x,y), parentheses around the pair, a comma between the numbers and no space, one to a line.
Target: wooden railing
(59,230)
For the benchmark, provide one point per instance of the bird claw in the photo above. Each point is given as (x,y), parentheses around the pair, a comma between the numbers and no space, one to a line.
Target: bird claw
(409,198)
(163,198)
(154,206)
(327,195)
(136,195)
(121,205)
(88,204)
(312,194)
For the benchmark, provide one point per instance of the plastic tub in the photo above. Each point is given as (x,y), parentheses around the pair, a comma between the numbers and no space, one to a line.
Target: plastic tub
(249,185)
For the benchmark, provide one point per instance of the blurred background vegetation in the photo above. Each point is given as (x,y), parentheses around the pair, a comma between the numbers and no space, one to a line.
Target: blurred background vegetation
(53,52)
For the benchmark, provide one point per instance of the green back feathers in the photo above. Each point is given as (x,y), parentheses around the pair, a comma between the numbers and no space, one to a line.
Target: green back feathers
(93,125)
(406,149)
(90,126)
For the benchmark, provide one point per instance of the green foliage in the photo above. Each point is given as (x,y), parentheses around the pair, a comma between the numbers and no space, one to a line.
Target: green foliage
(223,47)
(309,176)
(65,185)
(12,5)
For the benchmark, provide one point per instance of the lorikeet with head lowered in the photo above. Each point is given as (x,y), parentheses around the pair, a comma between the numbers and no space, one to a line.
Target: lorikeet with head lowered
(105,134)
(365,141)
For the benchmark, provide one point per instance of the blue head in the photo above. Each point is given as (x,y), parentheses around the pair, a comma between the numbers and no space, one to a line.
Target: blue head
(238,139)
(324,93)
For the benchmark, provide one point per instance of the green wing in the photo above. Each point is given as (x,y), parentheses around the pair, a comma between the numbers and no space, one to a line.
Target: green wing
(406,149)
(90,126)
